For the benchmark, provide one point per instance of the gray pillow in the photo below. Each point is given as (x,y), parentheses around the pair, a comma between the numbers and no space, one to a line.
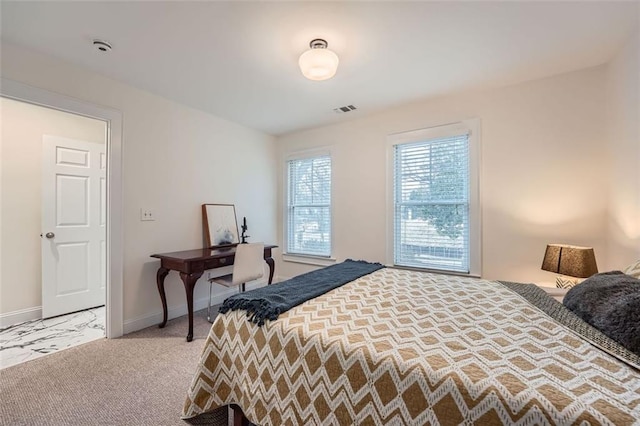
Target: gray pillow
(610,302)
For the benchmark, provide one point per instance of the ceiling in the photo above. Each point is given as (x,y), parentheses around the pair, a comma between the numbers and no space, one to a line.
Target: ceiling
(238,60)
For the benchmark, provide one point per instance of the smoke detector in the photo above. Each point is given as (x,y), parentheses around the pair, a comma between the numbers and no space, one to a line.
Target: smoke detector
(102,46)
(347,108)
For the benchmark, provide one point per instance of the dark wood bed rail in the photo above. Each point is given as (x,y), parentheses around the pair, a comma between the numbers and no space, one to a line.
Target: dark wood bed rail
(239,418)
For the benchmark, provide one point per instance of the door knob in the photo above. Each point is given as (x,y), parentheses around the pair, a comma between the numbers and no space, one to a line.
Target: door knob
(49,235)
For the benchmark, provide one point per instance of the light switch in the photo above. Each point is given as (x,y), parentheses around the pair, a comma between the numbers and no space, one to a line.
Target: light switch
(147,214)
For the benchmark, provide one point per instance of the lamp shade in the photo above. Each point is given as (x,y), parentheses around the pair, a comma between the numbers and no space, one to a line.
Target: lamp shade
(579,262)
(318,63)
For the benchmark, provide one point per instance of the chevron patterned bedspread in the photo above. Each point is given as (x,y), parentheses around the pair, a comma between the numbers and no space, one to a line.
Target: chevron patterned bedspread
(403,347)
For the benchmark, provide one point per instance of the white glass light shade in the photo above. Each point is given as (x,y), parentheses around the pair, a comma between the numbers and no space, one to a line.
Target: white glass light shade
(318,64)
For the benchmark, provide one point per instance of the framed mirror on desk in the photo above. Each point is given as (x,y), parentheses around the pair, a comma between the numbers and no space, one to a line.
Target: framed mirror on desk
(220,225)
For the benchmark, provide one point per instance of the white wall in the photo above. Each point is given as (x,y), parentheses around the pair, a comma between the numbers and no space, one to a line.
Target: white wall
(623,140)
(544,179)
(23,126)
(175,159)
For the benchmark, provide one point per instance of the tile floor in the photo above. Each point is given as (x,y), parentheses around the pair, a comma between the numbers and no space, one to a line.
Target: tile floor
(33,339)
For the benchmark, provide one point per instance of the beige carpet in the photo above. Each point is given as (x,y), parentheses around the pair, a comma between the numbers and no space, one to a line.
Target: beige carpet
(140,379)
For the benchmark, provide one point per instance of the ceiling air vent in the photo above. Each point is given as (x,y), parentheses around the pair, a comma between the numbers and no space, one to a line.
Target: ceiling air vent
(347,108)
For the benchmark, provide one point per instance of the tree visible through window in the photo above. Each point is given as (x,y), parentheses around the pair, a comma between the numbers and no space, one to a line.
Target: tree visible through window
(309,206)
(431,198)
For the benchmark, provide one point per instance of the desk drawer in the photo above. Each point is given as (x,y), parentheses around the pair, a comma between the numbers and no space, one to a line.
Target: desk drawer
(218,262)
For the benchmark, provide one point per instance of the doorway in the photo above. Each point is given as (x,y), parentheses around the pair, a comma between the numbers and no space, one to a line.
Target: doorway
(112,262)
(52,200)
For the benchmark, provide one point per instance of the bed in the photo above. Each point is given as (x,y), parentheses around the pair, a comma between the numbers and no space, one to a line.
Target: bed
(405,347)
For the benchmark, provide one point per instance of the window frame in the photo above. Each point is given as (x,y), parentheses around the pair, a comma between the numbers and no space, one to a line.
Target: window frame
(308,258)
(472,127)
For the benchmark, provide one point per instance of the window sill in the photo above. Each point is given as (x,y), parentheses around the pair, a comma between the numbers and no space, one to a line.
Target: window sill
(434,271)
(308,260)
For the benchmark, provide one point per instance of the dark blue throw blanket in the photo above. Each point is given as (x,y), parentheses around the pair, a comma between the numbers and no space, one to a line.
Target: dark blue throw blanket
(267,303)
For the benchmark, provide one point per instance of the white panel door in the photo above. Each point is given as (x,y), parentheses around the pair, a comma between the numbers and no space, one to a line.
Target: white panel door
(73,225)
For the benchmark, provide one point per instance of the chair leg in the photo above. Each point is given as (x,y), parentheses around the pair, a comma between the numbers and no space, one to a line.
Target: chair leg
(209,303)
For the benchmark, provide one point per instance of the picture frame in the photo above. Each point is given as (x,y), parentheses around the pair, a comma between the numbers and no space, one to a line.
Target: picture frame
(220,225)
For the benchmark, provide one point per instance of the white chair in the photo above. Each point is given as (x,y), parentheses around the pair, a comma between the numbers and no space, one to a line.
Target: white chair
(248,265)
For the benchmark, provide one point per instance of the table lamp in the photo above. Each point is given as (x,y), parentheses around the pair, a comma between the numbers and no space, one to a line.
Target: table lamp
(572,261)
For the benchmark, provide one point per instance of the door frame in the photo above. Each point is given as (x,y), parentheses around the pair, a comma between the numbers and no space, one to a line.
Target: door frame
(113,118)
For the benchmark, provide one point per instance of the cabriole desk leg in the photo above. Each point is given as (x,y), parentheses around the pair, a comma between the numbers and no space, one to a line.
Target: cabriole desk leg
(160,276)
(189,281)
(271,264)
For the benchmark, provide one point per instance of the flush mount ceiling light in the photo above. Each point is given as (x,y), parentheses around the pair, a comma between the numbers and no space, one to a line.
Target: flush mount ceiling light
(318,63)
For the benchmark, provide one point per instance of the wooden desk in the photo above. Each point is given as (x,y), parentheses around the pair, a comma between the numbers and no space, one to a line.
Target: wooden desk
(191,264)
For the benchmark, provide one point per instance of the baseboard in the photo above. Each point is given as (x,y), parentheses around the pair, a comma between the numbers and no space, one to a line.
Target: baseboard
(12,318)
(176,311)
(16,317)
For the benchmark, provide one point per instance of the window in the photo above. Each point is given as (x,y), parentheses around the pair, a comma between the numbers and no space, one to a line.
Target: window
(309,206)
(435,202)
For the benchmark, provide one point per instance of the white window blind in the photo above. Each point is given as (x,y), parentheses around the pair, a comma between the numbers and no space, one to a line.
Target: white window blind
(309,206)
(431,203)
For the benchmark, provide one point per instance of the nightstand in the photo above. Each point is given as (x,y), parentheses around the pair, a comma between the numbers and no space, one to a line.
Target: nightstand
(553,291)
